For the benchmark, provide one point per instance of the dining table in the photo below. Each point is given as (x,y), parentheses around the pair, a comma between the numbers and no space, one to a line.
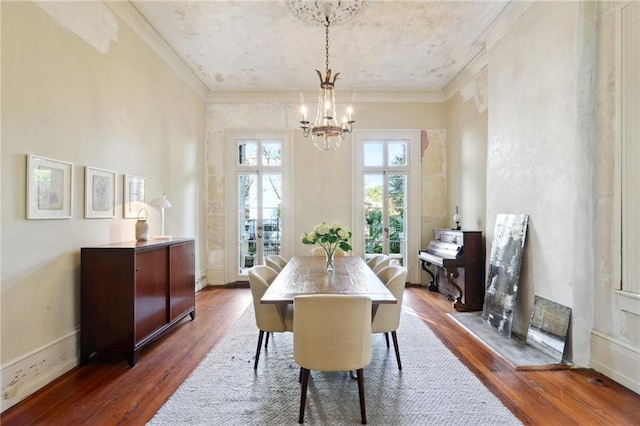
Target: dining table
(304,275)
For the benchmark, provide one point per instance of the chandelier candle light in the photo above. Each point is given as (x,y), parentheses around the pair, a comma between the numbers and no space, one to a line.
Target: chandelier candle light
(325,132)
(329,238)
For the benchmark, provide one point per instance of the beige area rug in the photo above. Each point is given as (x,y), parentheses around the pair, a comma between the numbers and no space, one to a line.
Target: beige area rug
(433,388)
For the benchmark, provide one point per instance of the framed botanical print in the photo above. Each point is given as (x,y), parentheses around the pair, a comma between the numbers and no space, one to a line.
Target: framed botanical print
(99,193)
(49,188)
(135,196)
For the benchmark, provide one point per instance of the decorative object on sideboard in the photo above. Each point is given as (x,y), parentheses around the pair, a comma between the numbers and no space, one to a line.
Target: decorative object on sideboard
(457,218)
(162,203)
(142,226)
(326,132)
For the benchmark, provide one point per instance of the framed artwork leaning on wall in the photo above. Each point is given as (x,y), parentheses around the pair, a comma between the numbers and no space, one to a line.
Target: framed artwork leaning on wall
(49,188)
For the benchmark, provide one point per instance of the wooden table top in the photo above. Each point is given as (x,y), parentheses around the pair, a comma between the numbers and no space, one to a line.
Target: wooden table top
(308,275)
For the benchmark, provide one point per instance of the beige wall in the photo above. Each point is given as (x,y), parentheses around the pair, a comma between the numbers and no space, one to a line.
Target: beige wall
(124,111)
(466,162)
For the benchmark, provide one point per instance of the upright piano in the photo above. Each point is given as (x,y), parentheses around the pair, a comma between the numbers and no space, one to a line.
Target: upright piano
(459,258)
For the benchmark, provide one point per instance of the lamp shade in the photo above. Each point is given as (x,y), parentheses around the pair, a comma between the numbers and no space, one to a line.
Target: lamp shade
(161,202)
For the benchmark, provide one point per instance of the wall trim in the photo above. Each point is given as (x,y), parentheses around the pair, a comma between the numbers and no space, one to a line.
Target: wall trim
(616,359)
(298,97)
(25,374)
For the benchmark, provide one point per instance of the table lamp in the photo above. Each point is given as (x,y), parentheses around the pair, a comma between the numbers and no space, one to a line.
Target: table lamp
(162,203)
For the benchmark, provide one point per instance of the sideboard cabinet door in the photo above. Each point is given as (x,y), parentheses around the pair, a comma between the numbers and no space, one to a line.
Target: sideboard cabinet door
(182,280)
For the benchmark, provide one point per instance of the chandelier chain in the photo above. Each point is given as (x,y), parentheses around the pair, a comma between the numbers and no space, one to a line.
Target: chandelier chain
(327,45)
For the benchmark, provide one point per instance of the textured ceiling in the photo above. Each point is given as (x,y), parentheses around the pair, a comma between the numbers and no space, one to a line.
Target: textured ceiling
(390,45)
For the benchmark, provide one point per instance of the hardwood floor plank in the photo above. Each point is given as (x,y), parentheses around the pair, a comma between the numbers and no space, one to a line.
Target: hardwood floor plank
(108,392)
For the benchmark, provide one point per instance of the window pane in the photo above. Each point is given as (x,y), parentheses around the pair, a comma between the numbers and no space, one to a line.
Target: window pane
(373,203)
(397,153)
(397,188)
(271,153)
(248,153)
(271,201)
(373,153)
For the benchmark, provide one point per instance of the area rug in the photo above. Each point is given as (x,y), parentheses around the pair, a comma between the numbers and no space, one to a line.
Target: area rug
(433,388)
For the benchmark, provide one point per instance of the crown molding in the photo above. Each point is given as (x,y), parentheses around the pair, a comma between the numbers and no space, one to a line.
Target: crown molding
(466,75)
(141,25)
(289,96)
(501,25)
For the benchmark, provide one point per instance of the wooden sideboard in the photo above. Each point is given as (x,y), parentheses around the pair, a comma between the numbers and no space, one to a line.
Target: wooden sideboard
(132,292)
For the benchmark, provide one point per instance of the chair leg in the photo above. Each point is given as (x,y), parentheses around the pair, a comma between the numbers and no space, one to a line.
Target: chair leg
(260,336)
(395,345)
(266,342)
(386,337)
(303,395)
(363,411)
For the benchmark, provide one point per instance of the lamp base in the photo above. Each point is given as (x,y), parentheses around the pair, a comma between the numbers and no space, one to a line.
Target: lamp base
(162,237)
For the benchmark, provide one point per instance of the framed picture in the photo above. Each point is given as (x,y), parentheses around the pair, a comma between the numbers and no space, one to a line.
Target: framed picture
(135,196)
(99,193)
(49,188)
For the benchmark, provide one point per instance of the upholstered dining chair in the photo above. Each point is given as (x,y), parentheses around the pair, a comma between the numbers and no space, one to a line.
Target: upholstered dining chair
(373,261)
(269,318)
(332,332)
(319,251)
(383,263)
(275,261)
(387,316)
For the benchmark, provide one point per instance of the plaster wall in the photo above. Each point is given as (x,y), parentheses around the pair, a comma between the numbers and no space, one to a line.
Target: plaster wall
(466,162)
(534,161)
(122,110)
(322,188)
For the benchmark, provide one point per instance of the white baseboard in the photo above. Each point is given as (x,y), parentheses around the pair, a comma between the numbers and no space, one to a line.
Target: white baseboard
(25,374)
(616,359)
(201,279)
(215,276)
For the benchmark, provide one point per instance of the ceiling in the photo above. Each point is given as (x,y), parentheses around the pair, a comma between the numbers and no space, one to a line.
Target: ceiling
(390,45)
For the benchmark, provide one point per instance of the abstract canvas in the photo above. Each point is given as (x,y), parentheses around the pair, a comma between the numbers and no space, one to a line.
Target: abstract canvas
(504,271)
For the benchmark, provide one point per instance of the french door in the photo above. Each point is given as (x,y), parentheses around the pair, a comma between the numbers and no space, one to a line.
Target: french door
(258,209)
(386,217)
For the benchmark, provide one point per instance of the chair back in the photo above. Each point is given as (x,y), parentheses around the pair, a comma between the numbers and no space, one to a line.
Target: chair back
(269,317)
(319,251)
(281,261)
(332,332)
(373,261)
(273,264)
(382,264)
(387,316)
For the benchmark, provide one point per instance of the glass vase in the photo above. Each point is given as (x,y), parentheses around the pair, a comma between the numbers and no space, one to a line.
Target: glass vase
(329,259)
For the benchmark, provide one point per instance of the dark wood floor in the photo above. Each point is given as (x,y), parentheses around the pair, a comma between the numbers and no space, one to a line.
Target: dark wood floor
(108,392)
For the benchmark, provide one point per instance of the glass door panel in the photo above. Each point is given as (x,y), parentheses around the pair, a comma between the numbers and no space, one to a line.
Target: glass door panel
(373,218)
(396,216)
(271,235)
(247,221)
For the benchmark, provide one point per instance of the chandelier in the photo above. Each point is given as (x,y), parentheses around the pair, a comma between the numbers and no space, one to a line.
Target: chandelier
(326,131)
